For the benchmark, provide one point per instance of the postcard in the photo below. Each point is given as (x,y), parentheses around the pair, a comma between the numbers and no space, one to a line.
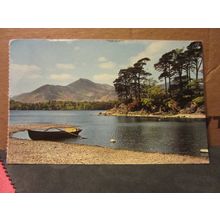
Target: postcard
(81,101)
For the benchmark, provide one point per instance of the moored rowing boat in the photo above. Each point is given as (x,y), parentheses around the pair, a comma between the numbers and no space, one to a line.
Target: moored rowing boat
(54,133)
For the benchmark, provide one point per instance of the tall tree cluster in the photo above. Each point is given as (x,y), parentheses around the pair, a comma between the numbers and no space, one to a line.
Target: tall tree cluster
(130,82)
(179,69)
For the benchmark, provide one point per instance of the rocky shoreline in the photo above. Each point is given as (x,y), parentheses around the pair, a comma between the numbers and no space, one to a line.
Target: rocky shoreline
(48,152)
(155,116)
(125,110)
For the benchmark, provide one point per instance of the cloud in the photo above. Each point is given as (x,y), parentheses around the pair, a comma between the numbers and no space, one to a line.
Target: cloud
(21,71)
(102,59)
(34,76)
(76,48)
(107,65)
(22,76)
(62,77)
(151,51)
(104,63)
(155,49)
(65,66)
(104,78)
(24,69)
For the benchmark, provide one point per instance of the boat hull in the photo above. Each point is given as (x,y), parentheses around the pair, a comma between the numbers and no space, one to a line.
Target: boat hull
(52,135)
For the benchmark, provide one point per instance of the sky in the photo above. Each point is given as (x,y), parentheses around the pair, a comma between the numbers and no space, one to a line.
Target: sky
(34,63)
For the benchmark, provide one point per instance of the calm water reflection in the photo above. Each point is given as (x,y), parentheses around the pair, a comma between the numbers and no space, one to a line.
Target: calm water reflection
(139,134)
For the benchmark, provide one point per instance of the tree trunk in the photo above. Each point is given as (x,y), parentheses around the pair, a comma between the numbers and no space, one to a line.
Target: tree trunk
(198,65)
(180,79)
(169,85)
(187,71)
(197,70)
(169,82)
(139,88)
(169,78)
(165,84)
(189,75)
(135,90)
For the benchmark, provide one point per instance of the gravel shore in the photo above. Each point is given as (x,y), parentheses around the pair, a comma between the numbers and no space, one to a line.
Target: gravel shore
(48,152)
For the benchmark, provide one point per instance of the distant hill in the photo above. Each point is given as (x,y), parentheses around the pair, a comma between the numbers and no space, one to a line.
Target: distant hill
(80,90)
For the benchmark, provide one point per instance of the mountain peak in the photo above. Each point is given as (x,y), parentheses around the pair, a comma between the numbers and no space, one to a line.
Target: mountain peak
(81,82)
(83,79)
(80,90)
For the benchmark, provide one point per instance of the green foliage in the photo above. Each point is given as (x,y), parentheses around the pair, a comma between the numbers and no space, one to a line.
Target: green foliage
(178,68)
(153,99)
(61,105)
(199,101)
(146,102)
(193,84)
(156,93)
(130,81)
(170,105)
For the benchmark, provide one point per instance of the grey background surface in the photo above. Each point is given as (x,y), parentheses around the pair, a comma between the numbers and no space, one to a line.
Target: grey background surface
(118,178)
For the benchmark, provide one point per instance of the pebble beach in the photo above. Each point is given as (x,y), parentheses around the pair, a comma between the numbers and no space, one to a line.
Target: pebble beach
(21,151)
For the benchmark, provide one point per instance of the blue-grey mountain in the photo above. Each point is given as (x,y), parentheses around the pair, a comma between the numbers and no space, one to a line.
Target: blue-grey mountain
(80,90)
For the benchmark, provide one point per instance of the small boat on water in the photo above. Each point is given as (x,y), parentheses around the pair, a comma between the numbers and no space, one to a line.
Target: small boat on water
(204,152)
(51,134)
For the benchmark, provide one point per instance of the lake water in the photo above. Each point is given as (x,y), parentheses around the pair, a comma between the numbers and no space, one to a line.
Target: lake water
(137,134)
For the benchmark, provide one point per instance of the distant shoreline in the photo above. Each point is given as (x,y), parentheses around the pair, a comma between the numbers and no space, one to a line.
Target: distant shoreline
(158,117)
